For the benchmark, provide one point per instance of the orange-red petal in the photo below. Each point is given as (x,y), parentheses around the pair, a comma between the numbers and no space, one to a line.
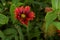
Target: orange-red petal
(58,31)
(31,15)
(27,9)
(16,11)
(24,21)
(48,9)
(21,9)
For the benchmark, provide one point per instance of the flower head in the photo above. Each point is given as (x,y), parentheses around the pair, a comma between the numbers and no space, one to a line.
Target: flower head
(58,32)
(24,14)
(48,9)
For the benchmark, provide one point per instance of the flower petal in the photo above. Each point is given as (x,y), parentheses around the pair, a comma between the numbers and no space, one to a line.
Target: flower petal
(25,22)
(21,9)
(16,11)
(27,9)
(58,31)
(31,15)
(48,9)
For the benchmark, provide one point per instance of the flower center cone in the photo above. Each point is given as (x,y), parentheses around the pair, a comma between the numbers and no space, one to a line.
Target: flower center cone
(23,15)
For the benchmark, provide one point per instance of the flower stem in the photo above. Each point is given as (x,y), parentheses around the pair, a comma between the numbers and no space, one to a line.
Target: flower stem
(28,34)
(21,37)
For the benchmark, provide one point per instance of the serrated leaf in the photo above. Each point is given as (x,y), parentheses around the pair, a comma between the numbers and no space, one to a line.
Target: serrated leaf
(2,36)
(57,24)
(50,17)
(3,19)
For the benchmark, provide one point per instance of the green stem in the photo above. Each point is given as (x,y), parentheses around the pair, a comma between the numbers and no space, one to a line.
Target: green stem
(28,34)
(16,38)
(21,37)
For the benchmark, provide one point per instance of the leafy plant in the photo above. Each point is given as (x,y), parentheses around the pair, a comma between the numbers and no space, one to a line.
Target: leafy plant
(28,19)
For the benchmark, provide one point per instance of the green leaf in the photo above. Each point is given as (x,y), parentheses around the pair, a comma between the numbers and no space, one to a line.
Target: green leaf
(19,4)
(36,33)
(59,4)
(50,17)
(12,8)
(16,38)
(3,19)
(0,9)
(21,37)
(10,31)
(15,1)
(11,37)
(2,36)
(7,38)
(55,4)
(59,16)
(57,24)
(27,1)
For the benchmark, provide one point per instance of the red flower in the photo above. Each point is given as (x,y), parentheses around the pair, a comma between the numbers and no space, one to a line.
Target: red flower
(48,9)
(58,31)
(24,14)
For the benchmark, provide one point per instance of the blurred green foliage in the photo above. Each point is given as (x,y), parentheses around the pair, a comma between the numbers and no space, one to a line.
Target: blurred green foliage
(11,29)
